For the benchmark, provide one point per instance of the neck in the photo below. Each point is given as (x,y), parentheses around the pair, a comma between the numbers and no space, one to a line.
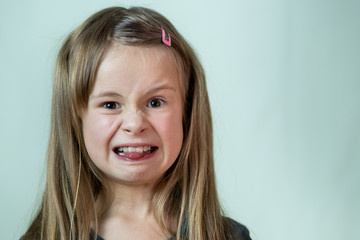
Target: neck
(131,214)
(131,201)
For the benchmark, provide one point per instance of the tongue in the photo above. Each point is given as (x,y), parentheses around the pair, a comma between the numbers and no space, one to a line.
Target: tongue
(133,155)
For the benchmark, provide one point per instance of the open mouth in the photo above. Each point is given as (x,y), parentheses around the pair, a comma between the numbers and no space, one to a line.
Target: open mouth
(145,149)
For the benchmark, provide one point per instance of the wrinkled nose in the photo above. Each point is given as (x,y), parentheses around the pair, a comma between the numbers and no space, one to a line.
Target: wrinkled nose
(133,122)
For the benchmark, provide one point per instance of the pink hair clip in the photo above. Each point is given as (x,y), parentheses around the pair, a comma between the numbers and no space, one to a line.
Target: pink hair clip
(167,42)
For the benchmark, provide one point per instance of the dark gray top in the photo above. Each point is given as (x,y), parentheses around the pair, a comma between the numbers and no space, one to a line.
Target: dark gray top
(239,231)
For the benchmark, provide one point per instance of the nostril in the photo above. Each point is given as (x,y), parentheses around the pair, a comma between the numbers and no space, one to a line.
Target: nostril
(134,128)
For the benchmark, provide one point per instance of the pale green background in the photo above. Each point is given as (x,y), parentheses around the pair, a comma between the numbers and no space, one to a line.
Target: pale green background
(284,81)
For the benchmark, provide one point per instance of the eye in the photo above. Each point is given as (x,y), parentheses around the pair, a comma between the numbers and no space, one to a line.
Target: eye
(155,103)
(111,105)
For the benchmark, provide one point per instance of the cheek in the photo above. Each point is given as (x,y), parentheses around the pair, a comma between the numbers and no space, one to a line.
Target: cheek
(97,134)
(170,131)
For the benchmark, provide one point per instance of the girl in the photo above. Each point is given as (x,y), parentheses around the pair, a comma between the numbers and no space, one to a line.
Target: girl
(130,153)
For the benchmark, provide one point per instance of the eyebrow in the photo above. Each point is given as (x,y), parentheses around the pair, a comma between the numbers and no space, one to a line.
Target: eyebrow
(107,93)
(161,86)
(111,93)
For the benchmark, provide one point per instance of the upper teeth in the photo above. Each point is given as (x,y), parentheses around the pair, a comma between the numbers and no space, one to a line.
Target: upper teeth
(134,149)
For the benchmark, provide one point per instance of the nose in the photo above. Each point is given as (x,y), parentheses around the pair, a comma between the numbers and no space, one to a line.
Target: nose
(133,122)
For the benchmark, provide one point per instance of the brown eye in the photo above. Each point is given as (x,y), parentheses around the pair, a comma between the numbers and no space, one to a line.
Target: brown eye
(111,105)
(155,103)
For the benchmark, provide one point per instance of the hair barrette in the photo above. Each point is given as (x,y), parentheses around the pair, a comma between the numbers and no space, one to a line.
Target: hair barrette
(167,42)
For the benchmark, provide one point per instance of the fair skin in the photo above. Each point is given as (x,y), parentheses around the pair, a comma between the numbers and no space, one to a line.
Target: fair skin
(133,133)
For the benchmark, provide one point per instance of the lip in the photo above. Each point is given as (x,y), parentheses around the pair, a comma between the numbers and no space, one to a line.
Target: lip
(134,145)
(136,157)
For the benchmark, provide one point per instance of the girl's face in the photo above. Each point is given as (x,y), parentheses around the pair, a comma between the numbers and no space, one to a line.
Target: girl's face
(133,123)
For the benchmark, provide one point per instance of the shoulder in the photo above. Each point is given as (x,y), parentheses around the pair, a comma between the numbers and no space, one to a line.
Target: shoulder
(92,234)
(235,230)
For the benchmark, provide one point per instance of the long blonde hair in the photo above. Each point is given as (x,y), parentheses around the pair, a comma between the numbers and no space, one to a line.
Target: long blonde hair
(76,193)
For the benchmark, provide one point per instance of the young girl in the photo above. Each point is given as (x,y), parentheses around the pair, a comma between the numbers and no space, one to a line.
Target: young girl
(130,152)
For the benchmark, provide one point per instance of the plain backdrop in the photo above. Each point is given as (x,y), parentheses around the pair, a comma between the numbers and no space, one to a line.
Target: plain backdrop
(284,81)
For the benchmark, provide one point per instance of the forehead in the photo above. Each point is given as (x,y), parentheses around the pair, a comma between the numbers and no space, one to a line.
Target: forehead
(138,58)
(143,53)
